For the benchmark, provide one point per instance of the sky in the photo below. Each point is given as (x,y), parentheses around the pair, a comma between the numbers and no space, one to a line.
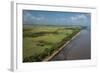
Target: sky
(56,18)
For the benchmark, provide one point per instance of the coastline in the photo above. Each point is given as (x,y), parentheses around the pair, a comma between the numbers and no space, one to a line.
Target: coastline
(56,52)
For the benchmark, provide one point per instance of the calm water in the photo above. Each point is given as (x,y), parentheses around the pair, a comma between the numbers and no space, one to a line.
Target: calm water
(77,49)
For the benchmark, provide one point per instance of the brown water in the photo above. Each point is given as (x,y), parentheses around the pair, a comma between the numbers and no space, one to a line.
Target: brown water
(78,49)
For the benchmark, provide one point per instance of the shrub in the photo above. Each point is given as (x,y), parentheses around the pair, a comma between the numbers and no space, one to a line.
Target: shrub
(43,55)
(35,58)
(26,59)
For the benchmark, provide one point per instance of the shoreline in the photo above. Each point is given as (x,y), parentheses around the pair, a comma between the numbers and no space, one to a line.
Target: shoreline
(56,52)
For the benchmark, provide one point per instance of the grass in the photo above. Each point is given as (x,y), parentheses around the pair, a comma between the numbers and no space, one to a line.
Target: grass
(41,41)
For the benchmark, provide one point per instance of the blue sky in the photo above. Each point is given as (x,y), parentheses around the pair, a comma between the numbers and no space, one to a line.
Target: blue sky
(56,18)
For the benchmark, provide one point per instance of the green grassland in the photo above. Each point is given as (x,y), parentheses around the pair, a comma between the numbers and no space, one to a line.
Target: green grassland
(40,42)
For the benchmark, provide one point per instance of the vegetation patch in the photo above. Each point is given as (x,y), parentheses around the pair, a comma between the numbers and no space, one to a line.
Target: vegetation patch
(40,42)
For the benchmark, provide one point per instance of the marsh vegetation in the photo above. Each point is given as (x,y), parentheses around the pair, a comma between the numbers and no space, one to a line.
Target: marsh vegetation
(40,42)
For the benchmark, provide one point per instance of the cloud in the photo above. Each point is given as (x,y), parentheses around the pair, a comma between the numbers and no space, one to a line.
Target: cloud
(81,19)
(78,17)
(63,19)
(39,18)
(82,16)
(29,18)
(73,18)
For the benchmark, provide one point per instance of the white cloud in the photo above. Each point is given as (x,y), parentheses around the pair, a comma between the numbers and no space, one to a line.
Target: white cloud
(39,18)
(78,17)
(63,19)
(82,17)
(73,18)
(28,17)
